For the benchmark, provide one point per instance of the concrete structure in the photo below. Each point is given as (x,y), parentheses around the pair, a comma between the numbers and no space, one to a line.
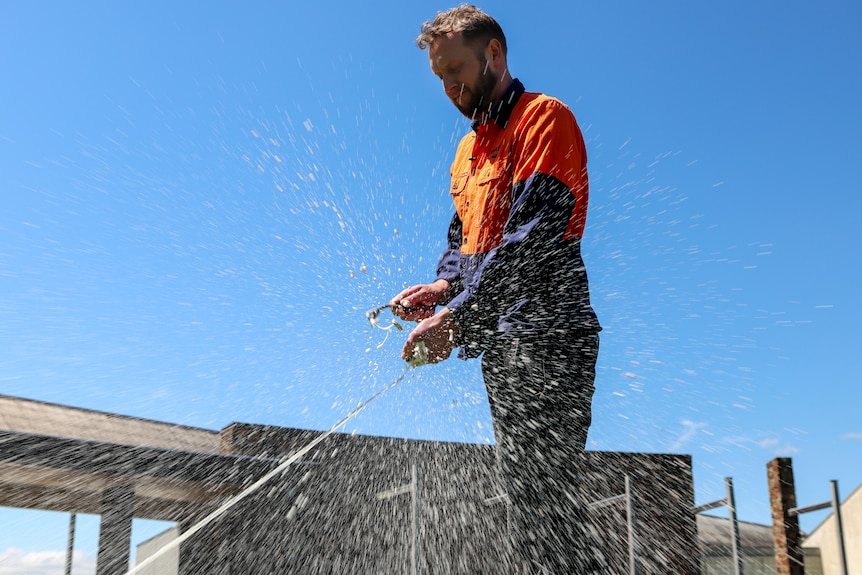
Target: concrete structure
(326,514)
(824,538)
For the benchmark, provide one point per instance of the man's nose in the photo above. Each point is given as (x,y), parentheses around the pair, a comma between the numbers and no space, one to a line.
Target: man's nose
(451,87)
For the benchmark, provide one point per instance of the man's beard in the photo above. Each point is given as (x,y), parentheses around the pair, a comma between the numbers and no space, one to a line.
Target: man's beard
(478,96)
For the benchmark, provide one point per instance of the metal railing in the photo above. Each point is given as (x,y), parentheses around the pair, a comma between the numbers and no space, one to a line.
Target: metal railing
(628,500)
(413,489)
(835,504)
(730,502)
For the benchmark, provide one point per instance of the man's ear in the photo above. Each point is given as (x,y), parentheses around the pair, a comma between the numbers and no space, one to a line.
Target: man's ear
(494,50)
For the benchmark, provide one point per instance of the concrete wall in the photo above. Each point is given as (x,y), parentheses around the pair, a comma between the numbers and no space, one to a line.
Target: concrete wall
(325,514)
(167,564)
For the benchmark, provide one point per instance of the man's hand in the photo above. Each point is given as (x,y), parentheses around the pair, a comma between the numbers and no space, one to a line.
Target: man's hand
(438,333)
(418,302)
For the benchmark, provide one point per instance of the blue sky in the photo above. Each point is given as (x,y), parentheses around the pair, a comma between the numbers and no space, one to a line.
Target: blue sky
(201,201)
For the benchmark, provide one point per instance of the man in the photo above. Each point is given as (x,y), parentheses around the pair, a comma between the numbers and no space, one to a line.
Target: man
(514,285)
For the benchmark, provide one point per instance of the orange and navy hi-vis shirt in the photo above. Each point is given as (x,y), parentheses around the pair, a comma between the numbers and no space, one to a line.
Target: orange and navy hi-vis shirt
(513,259)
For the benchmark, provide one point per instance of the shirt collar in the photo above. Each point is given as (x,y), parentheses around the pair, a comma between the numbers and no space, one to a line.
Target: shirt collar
(501,111)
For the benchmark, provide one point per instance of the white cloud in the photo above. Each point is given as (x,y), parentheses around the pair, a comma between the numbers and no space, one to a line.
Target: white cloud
(18,562)
(857,436)
(785,450)
(690,429)
(774,445)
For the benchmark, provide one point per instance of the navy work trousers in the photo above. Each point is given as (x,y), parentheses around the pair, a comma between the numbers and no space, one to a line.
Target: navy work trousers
(540,390)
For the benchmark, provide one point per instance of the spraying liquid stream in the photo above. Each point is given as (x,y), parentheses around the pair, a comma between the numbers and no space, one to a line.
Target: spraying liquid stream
(420,357)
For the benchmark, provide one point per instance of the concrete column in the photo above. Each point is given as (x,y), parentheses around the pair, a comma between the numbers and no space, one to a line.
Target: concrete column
(785,528)
(115,530)
(70,546)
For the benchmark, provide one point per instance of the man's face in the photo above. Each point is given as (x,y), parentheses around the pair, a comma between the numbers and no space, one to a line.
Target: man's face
(467,79)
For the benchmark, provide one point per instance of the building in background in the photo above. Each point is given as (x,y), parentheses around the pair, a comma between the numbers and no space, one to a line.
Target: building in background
(756,544)
(354,504)
(823,541)
(714,537)
(168,563)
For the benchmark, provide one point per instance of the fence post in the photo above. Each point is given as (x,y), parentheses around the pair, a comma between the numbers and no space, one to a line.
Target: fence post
(627,498)
(630,519)
(730,502)
(734,526)
(839,526)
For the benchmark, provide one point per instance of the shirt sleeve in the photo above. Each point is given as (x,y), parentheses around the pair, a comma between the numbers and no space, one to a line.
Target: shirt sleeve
(448,267)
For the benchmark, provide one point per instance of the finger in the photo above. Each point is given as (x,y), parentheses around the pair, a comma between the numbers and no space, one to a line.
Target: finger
(402,294)
(419,298)
(409,346)
(418,313)
(400,312)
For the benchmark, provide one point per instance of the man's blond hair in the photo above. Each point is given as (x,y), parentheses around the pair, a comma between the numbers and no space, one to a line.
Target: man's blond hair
(474,25)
